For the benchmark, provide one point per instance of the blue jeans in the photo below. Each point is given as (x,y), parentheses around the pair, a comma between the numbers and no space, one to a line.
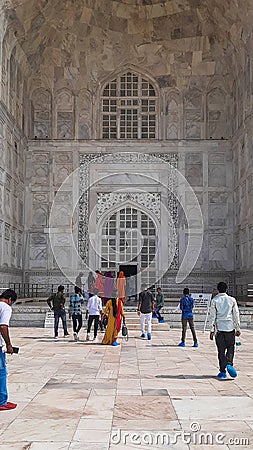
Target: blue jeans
(3,379)
(157,312)
(61,313)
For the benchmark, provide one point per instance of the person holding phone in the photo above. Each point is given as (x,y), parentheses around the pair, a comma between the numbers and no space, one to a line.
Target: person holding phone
(7,298)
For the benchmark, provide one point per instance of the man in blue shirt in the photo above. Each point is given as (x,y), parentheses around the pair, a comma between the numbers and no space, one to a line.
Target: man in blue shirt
(186,306)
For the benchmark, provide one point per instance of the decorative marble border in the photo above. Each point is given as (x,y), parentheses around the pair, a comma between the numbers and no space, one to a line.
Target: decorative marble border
(123,158)
(151,201)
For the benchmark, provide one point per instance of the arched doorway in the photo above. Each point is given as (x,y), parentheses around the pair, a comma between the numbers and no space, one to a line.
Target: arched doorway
(129,242)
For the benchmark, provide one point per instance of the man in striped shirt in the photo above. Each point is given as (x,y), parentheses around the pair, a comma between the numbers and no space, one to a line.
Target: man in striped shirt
(75,303)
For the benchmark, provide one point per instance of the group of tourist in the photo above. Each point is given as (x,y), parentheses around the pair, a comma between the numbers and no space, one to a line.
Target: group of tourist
(107,285)
(224,323)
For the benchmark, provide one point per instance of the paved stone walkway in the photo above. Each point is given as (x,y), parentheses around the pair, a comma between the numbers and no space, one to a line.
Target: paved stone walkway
(140,395)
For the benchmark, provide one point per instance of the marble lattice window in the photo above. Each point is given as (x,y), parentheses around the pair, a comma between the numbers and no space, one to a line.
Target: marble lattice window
(129,108)
(129,237)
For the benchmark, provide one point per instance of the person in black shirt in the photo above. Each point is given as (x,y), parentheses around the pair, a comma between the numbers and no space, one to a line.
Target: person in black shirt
(145,310)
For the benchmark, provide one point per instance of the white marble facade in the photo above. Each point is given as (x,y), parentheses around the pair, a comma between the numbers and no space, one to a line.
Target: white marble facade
(53,124)
(141,175)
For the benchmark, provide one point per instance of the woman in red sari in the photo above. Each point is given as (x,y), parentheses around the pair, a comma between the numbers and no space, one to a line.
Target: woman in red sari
(114,309)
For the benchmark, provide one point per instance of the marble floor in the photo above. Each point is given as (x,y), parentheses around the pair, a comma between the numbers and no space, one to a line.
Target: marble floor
(140,395)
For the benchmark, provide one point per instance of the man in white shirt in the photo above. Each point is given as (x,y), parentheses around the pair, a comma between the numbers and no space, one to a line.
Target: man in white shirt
(7,298)
(95,310)
(225,321)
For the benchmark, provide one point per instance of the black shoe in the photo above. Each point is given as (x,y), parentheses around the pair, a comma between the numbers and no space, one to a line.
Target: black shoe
(67,334)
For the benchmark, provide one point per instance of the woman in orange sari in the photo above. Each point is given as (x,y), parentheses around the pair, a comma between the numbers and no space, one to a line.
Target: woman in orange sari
(121,286)
(114,309)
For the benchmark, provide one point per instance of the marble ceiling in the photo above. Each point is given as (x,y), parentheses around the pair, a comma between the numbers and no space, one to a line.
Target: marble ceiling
(65,33)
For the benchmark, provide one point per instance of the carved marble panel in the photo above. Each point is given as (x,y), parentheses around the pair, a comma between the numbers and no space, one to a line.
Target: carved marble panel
(65,125)
(63,255)
(14,235)
(6,253)
(64,100)
(38,257)
(38,238)
(84,119)
(40,197)
(40,216)
(64,197)
(19,256)
(218,197)
(62,216)
(20,213)
(7,203)
(40,174)
(42,125)
(217,175)
(216,114)
(63,158)
(63,239)
(7,231)
(172,118)
(193,113)
(216,158)
(61,173)
(218,213)
(194,169)
(41,101)
(217,251)
(40,158)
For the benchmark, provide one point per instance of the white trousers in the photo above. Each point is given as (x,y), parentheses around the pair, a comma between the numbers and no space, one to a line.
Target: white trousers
(148,318)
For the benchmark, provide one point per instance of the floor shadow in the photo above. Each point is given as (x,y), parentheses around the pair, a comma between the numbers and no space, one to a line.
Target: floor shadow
(165,345)
(189,377)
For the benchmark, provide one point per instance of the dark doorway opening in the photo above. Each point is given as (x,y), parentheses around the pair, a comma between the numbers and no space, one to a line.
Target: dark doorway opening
(128,269)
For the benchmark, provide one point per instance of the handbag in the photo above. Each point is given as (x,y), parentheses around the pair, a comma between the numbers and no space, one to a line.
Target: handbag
(124,331)
(105,321)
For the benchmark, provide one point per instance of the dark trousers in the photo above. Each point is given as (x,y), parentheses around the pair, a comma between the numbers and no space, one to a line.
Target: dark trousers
(61,313)
(157,311)
(96,321)
(184,328)
(225,341)
(77,319)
